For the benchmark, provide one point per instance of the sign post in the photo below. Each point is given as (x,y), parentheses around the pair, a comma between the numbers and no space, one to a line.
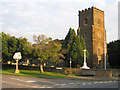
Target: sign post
(105,49)
(70,66)
(17,56)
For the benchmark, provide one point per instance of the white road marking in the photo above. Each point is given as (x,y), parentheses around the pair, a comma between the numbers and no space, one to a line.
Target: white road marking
(110,81)
(13,78)
(84,83)
(24,80)
(105,81)
(50,87)
(71,83)
(22,85)
(114,81)
(89,83)
(63,84)
(101,82)
(18,79)
(77,83)
(95,82)
(31,81)
(56,85)
(38,87)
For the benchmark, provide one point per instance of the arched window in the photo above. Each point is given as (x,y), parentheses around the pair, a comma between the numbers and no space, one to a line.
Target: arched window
(86,20)
(85,35)
(99,51)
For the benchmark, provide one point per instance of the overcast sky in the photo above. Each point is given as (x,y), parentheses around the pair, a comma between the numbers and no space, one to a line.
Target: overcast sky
(24,18)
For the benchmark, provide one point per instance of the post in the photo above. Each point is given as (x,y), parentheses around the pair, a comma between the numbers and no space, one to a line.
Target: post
(17,56)
(16,71)
(70,66)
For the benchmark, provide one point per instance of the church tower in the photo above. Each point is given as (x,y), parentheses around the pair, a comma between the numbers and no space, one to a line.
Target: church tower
(92,29)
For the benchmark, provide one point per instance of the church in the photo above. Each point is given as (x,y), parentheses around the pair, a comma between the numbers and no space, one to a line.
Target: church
(92,29)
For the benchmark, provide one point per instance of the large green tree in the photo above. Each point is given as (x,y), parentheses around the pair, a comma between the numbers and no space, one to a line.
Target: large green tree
(55,52)
(76,51)
(25,48)
(73,47)
(11,44)
(12,47)
(66,45)
(114,54)
(5,51)
(45,49)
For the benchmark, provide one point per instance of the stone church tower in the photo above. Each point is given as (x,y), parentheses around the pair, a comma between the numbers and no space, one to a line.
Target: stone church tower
(91,27)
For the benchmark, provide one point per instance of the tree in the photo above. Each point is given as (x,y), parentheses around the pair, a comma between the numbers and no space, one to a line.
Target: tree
(73,47)
(25,48)
(40,49)
(11,44)
(113,54)
(28,50)
(12,47)
(66,45)
(76,52)
(45,49)
(5,53)
(55,52)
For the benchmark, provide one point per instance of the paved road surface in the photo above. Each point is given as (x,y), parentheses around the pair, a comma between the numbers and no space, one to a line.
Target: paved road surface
(10,81)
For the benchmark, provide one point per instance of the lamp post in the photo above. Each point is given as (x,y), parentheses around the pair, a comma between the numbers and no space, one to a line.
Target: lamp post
(85,64)
(17,56)
(70,66)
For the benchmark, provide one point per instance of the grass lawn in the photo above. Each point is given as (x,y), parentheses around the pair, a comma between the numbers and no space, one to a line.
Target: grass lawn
(35,73)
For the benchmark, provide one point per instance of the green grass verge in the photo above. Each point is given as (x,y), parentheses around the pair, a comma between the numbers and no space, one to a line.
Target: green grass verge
(36,73)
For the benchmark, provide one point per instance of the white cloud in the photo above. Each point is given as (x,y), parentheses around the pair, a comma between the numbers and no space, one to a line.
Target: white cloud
(49,1)
(24,1)
(52,18)
(3,10)
(111,21)
(117,1)
(6,11)
(1,24)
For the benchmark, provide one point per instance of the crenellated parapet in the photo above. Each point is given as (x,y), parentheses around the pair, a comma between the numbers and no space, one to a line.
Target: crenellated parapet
(87,9)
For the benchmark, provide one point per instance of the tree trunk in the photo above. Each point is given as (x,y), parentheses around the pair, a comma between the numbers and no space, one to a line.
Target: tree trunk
(41,67)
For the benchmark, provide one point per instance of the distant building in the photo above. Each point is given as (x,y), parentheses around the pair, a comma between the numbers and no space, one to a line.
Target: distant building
(91,27)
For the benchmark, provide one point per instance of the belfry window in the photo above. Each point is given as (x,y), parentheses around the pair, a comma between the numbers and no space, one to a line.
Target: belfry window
(86,20)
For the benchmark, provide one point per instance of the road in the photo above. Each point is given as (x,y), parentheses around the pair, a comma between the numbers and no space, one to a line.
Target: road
(10,81)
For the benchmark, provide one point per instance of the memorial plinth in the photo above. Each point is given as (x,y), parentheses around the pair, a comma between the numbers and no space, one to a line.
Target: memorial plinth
(85,64)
